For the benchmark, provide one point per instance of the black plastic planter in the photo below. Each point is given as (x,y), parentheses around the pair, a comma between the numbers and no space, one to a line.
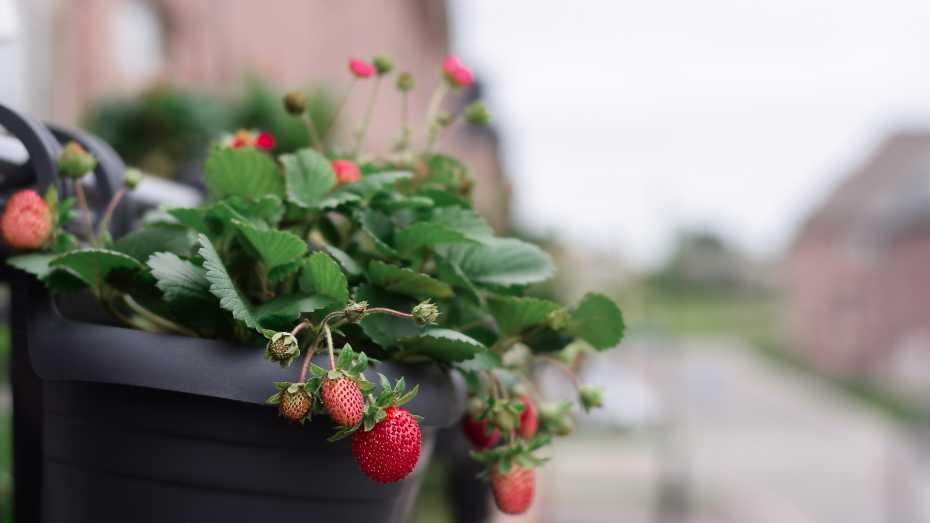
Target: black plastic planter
(146,427)
(112,424)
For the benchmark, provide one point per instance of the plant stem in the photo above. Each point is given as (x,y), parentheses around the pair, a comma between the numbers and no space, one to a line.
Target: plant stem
(342,103)
(300,326)
(434,103)
(404,141)
(564,368)
(314,134)
(442,133)
(316,342)
(363,131)
(155,318)
(85,209)
(385,310)
(108,213)
(329,345)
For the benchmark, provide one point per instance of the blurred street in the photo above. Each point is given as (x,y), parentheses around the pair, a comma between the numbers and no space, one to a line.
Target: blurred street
(747,442)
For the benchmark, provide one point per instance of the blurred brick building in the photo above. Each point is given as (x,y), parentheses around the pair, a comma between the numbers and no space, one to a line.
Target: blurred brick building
(859,272)
(80,50)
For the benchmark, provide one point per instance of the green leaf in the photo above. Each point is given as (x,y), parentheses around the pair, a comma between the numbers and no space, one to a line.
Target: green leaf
(223,287)
(336,199)
(274,247)
(321,275)
(36,264)
(443,345)
(93,265)
(515,314)
(406,281)
(383,329)
(245,172)
(379,228)
(348,264)
(161,237)
(194,218)
(598,321)
(265,210)
(372,183)
(450,272)
(309,177)
(422,234)
(500,261)
(466,221)
(484,360)
(290,306)
(180,280)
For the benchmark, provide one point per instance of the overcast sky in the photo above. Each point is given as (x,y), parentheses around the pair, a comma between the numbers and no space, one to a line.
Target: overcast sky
(625,121)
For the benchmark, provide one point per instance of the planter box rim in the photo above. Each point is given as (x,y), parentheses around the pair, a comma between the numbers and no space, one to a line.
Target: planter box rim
(66,349)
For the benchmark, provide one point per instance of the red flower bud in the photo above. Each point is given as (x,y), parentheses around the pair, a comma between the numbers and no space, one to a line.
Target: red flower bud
(456,72)
(26,221)
(361,68)
(265,141)
(346,171)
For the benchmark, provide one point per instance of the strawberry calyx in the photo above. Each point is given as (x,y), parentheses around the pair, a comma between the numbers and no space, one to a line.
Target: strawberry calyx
(517,452)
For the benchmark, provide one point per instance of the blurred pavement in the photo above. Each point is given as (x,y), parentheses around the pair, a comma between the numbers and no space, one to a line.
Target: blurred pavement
(747,442)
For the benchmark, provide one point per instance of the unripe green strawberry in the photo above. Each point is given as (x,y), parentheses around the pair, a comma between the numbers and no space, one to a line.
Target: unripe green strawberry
(282,348)
(513,490)
(343,401)
(27,221)
(295,403)
(74,161)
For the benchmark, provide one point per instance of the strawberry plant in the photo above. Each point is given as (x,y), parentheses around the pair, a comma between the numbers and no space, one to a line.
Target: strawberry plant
(349,255)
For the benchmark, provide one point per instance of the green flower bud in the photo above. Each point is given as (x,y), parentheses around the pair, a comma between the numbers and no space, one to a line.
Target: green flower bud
(282,348)
(405,82)
(555,418)
(132,177)
(476,407)
(383,64)
(425,313)
(506,420)
(295,102)
(476,113)
(444,119)
(558,319)
(590,396)
(356,310)
(74,161)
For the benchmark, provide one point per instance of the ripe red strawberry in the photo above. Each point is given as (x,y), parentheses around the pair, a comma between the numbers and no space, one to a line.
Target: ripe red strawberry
(529,420)
(343,401)
(477,433)
(389,451)
(513,490)
(294,404)
(346,171)
(26,221)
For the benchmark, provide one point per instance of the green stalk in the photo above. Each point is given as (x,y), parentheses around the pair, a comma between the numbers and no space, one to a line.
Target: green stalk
(363,131)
